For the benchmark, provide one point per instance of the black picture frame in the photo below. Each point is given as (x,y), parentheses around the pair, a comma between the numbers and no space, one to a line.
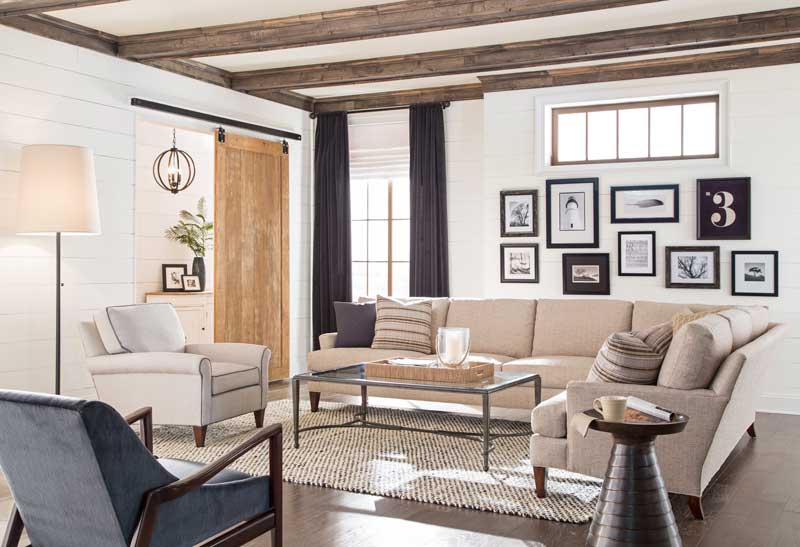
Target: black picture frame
(592,185)
(652,253)
(675,284)
(164,268)
(588,287)
(186,287)
(719,200)
(534,213)
(676,202)
(774,255)
(534,247)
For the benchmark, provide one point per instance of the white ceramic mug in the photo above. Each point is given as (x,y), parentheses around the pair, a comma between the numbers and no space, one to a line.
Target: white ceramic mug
(611,407)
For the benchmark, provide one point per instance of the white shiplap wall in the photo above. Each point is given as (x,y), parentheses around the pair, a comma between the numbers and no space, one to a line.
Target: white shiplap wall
(55,93)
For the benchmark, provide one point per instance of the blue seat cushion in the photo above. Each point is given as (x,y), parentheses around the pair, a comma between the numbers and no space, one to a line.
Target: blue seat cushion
(184,468)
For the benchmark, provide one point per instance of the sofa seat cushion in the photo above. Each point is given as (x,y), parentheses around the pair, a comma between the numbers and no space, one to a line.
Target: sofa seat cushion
(501,326)
(328,359)
(696,352)
(578,327)
(555,370)
(227,377)
(632,357)
(549,418)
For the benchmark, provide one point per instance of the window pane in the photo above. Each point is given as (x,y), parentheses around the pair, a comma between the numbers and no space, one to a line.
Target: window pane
(572,137)
(378,275)
(602,135)
(700,129)
(379,198)
(665,131)
(401,198)
(358,199)
(378,240)
(400,282)
(359,279)
(358,238)
(633,133)
(401,240)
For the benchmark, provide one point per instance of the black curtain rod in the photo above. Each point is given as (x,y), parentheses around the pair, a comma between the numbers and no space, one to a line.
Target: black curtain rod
(445,104)
(169,109)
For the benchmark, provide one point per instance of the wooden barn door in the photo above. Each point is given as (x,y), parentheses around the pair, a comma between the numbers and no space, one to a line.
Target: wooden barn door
(251,248)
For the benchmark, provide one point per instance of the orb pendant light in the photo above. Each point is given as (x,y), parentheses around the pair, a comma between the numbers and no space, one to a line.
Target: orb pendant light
(174,169)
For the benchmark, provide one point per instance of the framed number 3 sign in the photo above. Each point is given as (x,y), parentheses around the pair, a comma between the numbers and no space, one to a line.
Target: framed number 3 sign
(723,208)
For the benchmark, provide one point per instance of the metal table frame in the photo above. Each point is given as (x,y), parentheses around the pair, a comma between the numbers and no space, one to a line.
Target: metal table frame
(360,418)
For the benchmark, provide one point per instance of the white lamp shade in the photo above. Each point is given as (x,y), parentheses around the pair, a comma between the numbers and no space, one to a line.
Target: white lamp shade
(57,191)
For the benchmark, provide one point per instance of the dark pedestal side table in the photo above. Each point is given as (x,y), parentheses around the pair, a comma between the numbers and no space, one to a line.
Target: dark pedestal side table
(634,507)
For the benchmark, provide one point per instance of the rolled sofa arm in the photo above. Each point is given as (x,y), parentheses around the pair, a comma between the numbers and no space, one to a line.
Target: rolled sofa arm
(327,340)
(150,363)
(244,354)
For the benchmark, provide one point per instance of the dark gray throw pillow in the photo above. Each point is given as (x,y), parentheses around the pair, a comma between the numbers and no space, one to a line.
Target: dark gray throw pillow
(355,324)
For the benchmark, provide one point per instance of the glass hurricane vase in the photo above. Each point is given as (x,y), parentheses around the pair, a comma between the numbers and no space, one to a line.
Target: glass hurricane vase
(452,346)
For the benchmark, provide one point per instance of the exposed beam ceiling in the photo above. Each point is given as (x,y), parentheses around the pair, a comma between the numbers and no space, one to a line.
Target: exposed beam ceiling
(400,98)
(715,32)
(9,8)
(64,31)
(398,18)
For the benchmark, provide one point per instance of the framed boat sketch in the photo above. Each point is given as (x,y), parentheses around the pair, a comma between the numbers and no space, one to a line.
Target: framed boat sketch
(754,273)
(585,273)
(636,254)
(645,204)
(692,267)
(519,263)
(723,208)
(519,213)
(573,213)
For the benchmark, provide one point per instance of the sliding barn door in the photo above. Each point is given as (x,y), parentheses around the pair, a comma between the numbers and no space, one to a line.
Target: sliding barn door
(251,248)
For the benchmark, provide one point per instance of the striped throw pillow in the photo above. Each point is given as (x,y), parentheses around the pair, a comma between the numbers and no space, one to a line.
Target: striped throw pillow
(403,326)
(632,357)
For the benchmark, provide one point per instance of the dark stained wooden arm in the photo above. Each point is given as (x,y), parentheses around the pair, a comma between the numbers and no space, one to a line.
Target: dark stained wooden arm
(145,418)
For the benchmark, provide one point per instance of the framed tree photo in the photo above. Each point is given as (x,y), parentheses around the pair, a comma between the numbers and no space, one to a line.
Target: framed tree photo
(585,273)
(754,273)
(723,208)
(636,254)
(519,213)
(692,267)
(645,204)
(519,263)
(573,213)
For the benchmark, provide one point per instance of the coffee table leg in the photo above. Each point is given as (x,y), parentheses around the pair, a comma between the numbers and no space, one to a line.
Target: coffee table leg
(363,404)
(296,411)
(486,438)
(537,386)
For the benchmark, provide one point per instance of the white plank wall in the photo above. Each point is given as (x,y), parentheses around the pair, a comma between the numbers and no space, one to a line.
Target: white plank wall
(55,93)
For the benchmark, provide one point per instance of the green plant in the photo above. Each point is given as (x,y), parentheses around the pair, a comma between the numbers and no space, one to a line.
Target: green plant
(193,230)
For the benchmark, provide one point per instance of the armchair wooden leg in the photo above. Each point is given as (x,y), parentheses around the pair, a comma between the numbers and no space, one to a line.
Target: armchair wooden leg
(200,435)
(13,529)
(752,430)
(696,507)
(540,478)
(314,396)
(259,416)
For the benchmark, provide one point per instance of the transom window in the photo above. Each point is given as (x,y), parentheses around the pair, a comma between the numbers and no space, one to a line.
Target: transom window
(669,129)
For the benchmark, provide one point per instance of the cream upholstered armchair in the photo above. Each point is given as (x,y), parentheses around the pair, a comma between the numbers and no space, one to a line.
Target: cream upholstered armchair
(138,356)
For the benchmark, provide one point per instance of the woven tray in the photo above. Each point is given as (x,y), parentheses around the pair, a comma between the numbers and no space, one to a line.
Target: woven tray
(475,373)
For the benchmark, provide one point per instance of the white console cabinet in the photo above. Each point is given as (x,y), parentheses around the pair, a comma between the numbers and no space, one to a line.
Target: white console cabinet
(195,310)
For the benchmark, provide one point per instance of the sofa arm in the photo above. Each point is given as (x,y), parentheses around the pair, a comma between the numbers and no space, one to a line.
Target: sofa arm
(244,354)
(150,363)
(327,340)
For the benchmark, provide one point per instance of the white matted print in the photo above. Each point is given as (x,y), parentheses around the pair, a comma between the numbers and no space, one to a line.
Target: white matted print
(518,213)
(692,267)
(754,273)
(637,253)
(519,263)
(572,213)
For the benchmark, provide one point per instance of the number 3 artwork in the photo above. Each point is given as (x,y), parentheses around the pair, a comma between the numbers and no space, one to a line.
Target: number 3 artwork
(723,208)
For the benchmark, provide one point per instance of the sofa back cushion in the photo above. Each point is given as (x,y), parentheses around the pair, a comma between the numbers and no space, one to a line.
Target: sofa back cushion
(697,350)
(741,326)
(647,314)
(402,326)
(141,328)
(502,325)
(578,327)
(632,357)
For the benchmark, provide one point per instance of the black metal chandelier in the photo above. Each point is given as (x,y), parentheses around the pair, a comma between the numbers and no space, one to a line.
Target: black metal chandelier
(174,169)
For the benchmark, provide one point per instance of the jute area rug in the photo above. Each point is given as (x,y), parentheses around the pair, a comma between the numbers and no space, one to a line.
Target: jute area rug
(399,464)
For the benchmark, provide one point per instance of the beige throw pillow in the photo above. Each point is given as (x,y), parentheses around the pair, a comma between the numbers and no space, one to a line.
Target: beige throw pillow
(403,326)
(632,357)
(696,352)
(681,319)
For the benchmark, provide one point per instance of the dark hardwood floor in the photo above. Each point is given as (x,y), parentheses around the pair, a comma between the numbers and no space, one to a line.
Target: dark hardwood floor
(755,502)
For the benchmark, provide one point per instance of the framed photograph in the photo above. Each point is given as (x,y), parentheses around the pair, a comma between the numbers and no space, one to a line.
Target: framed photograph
(636,253)
(172,277)
(573,213)
(754,273)
(191,283)
(585,273)
(645,204)
(519,213)
(519,263)
(723,208)
(692,267)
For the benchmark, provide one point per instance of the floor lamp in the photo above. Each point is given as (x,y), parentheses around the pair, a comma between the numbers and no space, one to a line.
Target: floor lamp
(57,195)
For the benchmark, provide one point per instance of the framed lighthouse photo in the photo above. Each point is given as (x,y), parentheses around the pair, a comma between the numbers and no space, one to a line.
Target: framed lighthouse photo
(573,213)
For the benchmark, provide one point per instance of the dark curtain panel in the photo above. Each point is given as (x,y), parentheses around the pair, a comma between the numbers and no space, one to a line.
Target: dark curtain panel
(429,269)
(332,268)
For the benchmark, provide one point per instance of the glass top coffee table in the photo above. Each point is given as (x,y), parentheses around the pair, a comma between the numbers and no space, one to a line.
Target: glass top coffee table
(356,375)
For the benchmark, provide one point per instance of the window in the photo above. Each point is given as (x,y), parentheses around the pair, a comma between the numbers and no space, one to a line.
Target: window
(669,129)
(380,208)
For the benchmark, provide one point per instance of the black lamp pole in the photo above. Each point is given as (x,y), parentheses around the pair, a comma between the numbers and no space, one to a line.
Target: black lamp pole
(58,313)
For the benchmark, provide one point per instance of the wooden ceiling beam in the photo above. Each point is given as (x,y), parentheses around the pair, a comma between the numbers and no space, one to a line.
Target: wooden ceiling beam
(399,98)
(64,31)
(193,69)
(289,98)
(714,32)
(11,8)
(394,19)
